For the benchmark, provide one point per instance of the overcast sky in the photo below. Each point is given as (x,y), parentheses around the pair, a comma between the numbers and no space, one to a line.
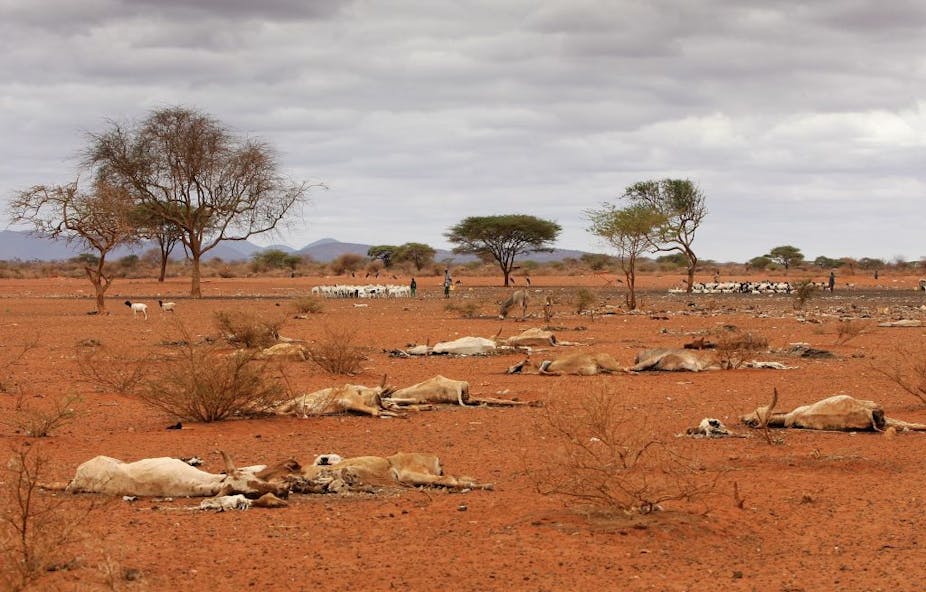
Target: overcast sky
(804,123)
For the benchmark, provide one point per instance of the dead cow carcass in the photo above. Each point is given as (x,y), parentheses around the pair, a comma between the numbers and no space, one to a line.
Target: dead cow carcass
(169,477)
(671,360)
(583,364)
(332,473)
(839,412)
(350,398)
(441,390)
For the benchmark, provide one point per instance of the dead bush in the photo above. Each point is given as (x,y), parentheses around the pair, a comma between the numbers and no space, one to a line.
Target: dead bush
(9,360)
(109,371)
(336,353)
(734,347)
(803,292)
(604,457)
(205,384)
(35,527)
(39,421)
(308,305)
(847,330)
(247,330)
(466,310)
(906,367)
(584,300)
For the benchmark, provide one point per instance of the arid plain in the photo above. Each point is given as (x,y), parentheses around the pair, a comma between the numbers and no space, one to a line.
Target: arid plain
(812,511)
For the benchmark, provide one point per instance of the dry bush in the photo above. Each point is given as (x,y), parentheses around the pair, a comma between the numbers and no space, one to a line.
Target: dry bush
(35,527)
(906,368)
(584,300)
(205,384)
(246,330)
(803,292)
(8,362)
(848,329)
(336,353)
(115,373)
(466,310)
(734,347)
(40,421)
(309,305)
(604,457)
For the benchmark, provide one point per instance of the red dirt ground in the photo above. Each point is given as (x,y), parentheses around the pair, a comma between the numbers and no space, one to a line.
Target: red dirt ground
(821,511)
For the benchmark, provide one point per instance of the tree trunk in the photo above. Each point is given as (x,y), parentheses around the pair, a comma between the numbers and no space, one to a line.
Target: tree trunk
(631,290)
(99,286)
(691,273)
(163,273)
(195,290)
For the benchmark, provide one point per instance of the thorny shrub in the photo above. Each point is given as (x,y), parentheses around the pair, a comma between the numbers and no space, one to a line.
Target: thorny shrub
(734,346)
(35,527)
(38,421)
(906,368)
(109,371)
(584,300)
(466,310)
(308,305)
(336,353)
(8,361)
(246,330)
(803,292)
(603,456)
(205,384)
(847,329)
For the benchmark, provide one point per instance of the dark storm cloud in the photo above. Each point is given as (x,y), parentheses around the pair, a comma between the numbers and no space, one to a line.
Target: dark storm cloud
(431,111)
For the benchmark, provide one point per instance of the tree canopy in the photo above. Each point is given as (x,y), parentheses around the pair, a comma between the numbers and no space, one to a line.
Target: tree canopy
(191,171)
(101,220)
(628,231)
(418,254)
(503,237)
(786,255)
(681,205)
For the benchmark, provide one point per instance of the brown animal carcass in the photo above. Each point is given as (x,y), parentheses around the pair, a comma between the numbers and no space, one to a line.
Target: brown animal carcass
(672,360)
(839,412)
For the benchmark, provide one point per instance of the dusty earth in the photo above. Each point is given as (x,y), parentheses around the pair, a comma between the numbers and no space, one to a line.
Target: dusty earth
(817,511)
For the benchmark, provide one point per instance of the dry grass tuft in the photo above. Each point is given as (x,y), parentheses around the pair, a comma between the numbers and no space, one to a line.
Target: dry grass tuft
(906,368)
(468,309)
(109,371)
(585,300)
(848,330)
(309,305)
(38,421)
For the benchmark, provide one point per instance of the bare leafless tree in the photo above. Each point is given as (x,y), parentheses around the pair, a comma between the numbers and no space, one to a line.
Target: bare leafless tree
(100,220)
(193,173)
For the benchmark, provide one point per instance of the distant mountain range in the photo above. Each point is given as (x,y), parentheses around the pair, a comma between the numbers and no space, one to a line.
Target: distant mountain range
(24,246)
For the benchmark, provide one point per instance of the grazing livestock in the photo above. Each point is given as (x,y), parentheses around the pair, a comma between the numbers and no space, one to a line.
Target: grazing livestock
(137,307)
(441,390)
(168,477)
(675,360)
(839,412)
(332,473)
(167,306)
(583,364)
(518,298)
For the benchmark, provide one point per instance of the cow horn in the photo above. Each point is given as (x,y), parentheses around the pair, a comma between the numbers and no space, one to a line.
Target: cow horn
(229,464)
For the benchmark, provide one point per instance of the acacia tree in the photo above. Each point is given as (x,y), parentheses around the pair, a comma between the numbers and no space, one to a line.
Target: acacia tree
(503,238)
(628,231)
(385,253)
(681,204)
(419,254)
(100,220)
(786,255)
(193,173)
(153,227)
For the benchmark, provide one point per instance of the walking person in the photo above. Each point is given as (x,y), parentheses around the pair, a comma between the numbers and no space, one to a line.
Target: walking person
(448,281)
(832,282)
(413,286)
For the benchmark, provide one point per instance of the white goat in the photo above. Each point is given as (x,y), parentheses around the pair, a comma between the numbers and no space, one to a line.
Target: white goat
(137,307)
(167,306)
